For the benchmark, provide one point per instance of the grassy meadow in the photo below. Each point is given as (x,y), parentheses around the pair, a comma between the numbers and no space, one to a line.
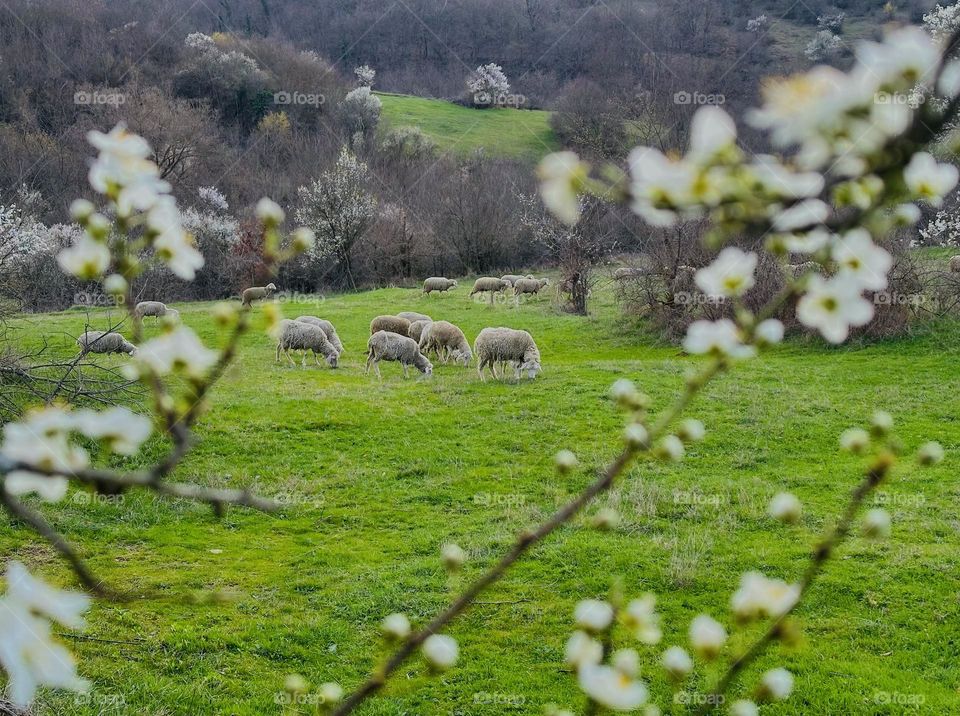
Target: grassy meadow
(503,131)
(375,477)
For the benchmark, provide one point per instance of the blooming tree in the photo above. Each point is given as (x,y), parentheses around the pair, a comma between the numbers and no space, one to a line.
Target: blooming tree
(487,83)
(360,110)
(339,209)
(365,75)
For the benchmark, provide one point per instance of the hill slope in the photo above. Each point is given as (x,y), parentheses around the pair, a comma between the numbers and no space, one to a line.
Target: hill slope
(520,134)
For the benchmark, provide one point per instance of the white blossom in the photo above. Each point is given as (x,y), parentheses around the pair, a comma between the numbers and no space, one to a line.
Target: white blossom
(804,214)
(641,618)
(582,649)
(854,440)
(759,596)
(561,175)
(928,180)
(86,259)
(743,707)
(28,654)
(833,306)
(730,274)
(178,350)
(707,636)
(861,261)
(611,688)
(593,615)
(452,556)
(677,662)
(721,338)
(769,331)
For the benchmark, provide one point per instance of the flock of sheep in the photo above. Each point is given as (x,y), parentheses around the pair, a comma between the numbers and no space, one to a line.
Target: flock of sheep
(407,338)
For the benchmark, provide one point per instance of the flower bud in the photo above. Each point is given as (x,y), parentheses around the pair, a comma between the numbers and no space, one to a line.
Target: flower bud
(330,692)
(440,651)
(691,430)
(396,626)
(785,507)
(677,662)
(881,423)
(98,226)
(295,684)
(636,436)
(626,395)
(775,685)
(876,523)
(670,448)
(606,519)
(115,285)
(80,210)
(303,239)
(452,556)
(930,453)
(855,440)
(269,212)
(565,461)
(224,314)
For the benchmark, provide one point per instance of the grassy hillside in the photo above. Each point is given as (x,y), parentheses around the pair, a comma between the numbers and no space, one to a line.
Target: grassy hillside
(524,134)
(375,477)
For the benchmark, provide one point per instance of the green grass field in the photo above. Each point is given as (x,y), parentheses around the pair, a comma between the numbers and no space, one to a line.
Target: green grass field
(517,133)
(375,477)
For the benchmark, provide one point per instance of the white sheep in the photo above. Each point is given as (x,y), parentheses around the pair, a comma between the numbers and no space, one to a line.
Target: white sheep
(625,273)
(447,341)
(156,309)
(488,284)
(416,329)
(327,328)
(303,337)
(394,324)
(384,345)
(438,283)
(506,345)
(105,342)
(255,293)
(512,278)
(529,285)
(414,316)
(955,264)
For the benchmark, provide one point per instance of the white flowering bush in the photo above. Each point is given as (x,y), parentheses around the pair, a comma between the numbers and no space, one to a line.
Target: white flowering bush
(943,21)
(360,111)
(486,84)
(758,24)
(365,75)
(339,209)
(823,45)
(48,449)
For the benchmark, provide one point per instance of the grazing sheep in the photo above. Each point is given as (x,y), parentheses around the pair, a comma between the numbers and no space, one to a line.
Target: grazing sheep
(303,337)
(414,316)
(500,345)
(683,281)
(384,345)
(798,270)
(529,285)
(327,328)
(488,284)
(105,342)
(626,273)
(955,264)
(258,292)
(394,324)
(447,341)
(417,328)
(512,278)
(155,308)
(438,283)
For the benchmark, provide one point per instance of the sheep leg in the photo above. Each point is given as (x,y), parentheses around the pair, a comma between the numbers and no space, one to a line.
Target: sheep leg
(303,358)
(286,352)
(406,374)
(278,354)
(480,364)
(316,357)
(376,367)
(366,370)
